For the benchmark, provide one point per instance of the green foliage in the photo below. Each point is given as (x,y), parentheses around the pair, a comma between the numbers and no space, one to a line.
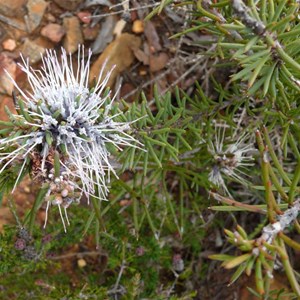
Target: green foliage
(159,196)
(259,42)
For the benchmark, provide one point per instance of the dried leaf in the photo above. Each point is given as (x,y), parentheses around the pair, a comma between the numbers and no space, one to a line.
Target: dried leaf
(152,36)
(105,35)
(119,54)
(142,56)
(158,62)
(119,27)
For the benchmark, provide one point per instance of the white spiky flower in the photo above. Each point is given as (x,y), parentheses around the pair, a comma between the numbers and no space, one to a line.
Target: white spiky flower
(61,114)
(230,159)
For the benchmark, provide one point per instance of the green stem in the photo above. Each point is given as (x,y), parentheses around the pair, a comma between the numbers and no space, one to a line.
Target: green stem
(36,205)
(289,241)
(277,184)
(97,211)
(135,207)
(274,157)
(259,277)
(206,13)
(295,181)
(288,268)
(287,59)
(297,226)
(293,145)
(97,234)
(270,206)
(151,224)
(170,204)
(265,177)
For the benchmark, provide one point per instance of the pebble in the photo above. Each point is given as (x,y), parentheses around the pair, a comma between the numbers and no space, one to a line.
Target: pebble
(36,10)
(13,8)
(73,35)
(68,4)
(84,17)
(178,263)
(9,45)
(54,32)
(8,64)
(81,263)
(90,33)
(27,189)
(119,27)
(49,17)
(138,26)
(32,50)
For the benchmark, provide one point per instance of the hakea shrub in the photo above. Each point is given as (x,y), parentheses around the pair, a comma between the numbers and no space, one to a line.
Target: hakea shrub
(259,42)
(64,131)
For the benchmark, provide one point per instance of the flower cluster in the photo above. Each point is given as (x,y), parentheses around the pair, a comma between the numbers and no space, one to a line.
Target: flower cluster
(62,115)
(230,159)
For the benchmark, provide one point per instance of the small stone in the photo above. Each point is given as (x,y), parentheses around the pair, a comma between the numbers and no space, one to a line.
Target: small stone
(120,25)
(44,42)
(68,4)
(8,64)
(36,10)
(14,33)
(9,45)
(84,17)
(54,32)
(50,18)
(13,8)
(73,36)
(6,101)
(32,50)
(125,202)
(90,34)
(138,26)
(81,263)
(143,72)
(178,263)
(27,189)
(3,32)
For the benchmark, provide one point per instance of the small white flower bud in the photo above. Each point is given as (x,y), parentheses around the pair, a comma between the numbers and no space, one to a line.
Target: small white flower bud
(64,193)
(57,201)
(57,180)
(53,187)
